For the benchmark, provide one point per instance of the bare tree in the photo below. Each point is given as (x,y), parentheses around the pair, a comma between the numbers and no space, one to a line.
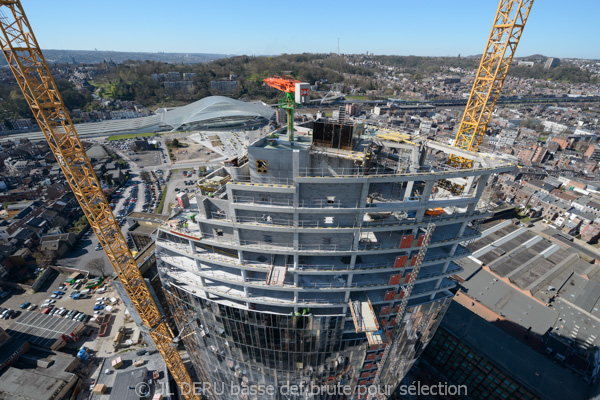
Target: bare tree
(45,258)
(98,267)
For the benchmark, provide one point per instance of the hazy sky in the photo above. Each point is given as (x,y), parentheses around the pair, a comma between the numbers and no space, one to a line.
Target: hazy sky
(556,28)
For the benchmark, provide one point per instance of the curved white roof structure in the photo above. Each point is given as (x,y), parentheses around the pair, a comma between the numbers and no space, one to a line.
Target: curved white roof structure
(216,111)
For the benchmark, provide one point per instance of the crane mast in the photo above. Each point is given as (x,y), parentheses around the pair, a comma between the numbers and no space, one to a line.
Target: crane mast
(496,59)
(31,71)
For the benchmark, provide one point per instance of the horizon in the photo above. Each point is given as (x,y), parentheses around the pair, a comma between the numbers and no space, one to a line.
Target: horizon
(306,52)
(237,28)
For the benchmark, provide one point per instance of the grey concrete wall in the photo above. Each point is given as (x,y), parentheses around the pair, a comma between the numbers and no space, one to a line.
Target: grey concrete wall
(211,231)
(327,239)
(259,196)
(263,216)
(277,238)
(280,161)
(348,219)
(346,193)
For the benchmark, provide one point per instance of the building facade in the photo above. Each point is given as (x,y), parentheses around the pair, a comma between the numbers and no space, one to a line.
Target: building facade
(290,267)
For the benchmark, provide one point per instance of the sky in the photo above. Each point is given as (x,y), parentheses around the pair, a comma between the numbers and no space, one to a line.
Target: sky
(556,28)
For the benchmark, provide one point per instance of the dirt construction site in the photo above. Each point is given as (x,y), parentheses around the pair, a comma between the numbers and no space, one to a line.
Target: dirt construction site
(189,150)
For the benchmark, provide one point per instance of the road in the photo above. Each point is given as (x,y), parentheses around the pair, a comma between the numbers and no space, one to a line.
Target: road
(86,251)
(581,248)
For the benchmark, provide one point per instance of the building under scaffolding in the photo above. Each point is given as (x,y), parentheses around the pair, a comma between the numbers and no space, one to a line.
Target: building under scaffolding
(290,269)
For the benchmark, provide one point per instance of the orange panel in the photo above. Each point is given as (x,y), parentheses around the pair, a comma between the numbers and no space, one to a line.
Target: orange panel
(389,295)
(385,310)
(401,295)
(371,357)
(413,260)
(400,261)
(407,277)
(420,240)
(384,322)
(406,241)
(395,279)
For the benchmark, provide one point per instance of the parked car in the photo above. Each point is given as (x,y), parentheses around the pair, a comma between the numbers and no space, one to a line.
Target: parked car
(24,305)
(31,307)
(59,292)
(98,307)
(46,310)
(56,296)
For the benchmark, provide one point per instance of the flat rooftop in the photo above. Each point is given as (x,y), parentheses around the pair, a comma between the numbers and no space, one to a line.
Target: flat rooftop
(43,330)
(529,366)
(28,385)
(534,282)
(125,384)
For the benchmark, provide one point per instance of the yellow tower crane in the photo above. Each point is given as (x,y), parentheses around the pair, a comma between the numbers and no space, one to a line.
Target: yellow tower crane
(495,61)
(27,63)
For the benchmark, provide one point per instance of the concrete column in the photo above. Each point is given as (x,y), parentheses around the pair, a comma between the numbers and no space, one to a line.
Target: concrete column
(426,192)
(296,279)
(469,185)
(419,215)
(350,277)
(446,266)
(198,265)
(244,275)
(192,246)
(481,184)
(408,190)
(295,163)
(364,194)
(346,298)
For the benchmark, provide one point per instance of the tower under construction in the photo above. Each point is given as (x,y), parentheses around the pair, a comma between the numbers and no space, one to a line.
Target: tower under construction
(288,268)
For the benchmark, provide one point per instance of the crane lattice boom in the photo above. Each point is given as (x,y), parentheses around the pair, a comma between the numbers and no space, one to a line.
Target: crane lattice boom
(27,63)
(495,61)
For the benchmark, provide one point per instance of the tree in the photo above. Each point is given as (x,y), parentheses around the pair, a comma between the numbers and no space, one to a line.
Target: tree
(45,258)
(98,267)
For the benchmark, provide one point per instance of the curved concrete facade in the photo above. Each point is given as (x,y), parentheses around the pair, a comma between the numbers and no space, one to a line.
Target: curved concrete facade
(293,270)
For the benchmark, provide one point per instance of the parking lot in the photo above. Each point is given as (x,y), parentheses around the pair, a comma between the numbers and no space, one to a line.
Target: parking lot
(183,180)
(17,297)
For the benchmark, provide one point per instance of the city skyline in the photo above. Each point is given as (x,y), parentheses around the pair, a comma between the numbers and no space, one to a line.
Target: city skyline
(235,28)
